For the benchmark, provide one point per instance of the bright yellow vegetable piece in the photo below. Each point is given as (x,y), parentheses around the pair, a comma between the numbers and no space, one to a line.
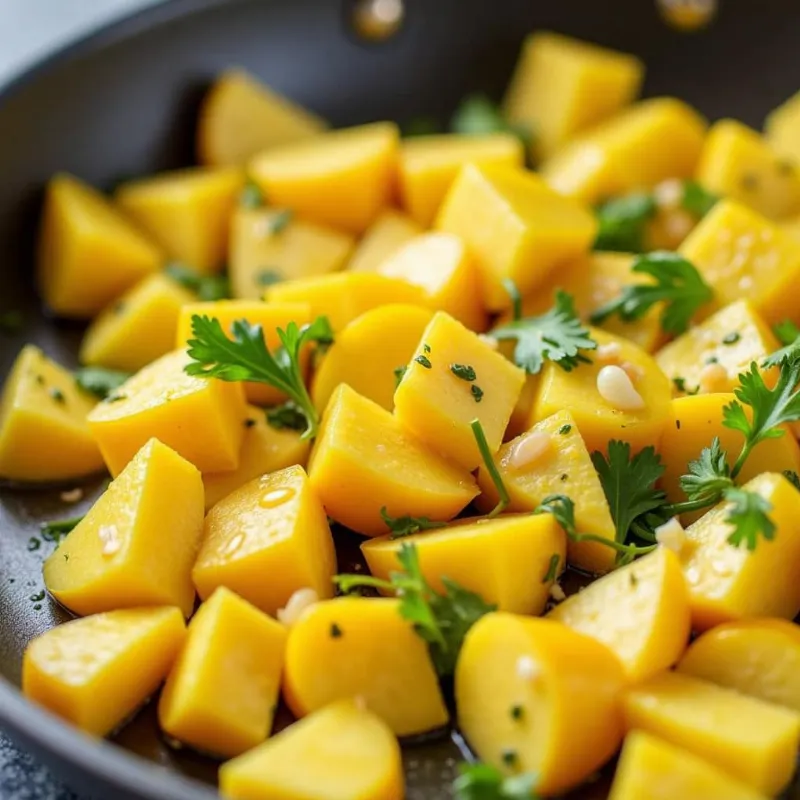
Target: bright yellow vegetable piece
(96,672)
(408,478)
(81,234)
(437,400)
(187,212)
(43,430)
(514,226)
(753,741)
(640,611)
(390,230)
(510,561)
(259,256)
(534,696)
(221,695)
(343,178)
(429,164)
(241,116)
(266,540)
(738,163)
(651,141)
(367,352)
(652,769)
(334,653)
(137,328)
(137,543)
(562,86)
(163,401)
(347,753)
(782,128)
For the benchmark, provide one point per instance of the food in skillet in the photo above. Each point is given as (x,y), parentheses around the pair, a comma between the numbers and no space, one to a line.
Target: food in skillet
(492,374)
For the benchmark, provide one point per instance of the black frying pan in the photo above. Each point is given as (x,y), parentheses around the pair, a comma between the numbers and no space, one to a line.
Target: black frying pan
(123,102)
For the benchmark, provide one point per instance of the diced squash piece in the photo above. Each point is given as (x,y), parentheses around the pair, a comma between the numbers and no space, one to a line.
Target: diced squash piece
(514,226)
(728,582)
(200,418)
(342,297)
(342,178)
(652,769)
(562,86)
(736,162)
(81,235)
(187,212)
(137,328)
(95,672)
(221,695)
(137,543)
(511,561)
(346,752)
(266,540)
(429,164)
(407,478)
(791,225)
(518,422)
(534,696)
(43,430)
(741,254)
(753,741)
(240,117)
(563,467)
(782,128)
(390,230)
(651,141)
(263,250)
(367,353)
(640,611)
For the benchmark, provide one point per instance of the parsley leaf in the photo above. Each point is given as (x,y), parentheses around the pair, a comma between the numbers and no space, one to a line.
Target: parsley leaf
(789,352)
(696,200)
(748,515)
(485,782)
(622,222)
(786,331)
(709,475)
(99,381)
(251,195)
(287,416)
(557,335)
(206,287)
(792,477)
(406,525)
(477,115)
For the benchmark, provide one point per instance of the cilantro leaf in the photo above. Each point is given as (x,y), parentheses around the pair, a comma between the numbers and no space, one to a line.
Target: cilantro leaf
(709,475)
(406,525)
(99,381)
(789,352)
(697,200)
(748,515)
(477,115)
(622,222)
(557,335)
(786,331)
(792,477)
(206,287)
(251,195)
(485,782)
(287,416)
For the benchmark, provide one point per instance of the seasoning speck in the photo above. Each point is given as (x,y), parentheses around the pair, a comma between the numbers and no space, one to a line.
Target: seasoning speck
(58,395)
(516,712)
(731,338)
(248,423)
(564,430)
(426,348)
(463,371)
(509,757)
(33,544)
(336,631)
(477,393)
(424,361)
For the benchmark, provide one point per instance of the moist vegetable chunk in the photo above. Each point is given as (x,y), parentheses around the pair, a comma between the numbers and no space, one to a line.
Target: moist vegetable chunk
(388,232)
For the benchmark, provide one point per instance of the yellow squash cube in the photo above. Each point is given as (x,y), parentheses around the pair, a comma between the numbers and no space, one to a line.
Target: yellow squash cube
(342,178)
(96,672)
(390,230)
(81,235)
(514,226)
(266,540)
(364,459)
(562,86)
(137,543)
(187,212)
(782,128)
(43,430)
(200,418)
(221,695)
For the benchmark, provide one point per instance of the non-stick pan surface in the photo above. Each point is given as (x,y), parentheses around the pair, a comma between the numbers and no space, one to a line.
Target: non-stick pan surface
(123,102)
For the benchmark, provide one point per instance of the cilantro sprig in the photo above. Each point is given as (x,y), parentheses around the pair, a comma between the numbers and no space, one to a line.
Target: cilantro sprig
(485,782)
(206,287)
(477,115)
(407,525)
(748,516)
(99,381)
(622,222)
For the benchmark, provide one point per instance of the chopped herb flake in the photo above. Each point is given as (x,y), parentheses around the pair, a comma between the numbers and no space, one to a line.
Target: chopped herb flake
(99,381)
(423,361)
(407,525)
(399,373)
(564,429)
(268,277)
(731,338)
(517,712)
(58,395)
(477,392)
(251,197)
(53,531)
(286,417)
(552,568)
(509,757)
(463,371)
(33,544)
(280,220)
(336,631)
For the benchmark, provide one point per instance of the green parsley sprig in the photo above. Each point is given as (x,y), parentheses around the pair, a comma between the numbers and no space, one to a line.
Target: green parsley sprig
(99,381)
(477,115)
(622,222)
(485,782)
(206,287)
(408,525)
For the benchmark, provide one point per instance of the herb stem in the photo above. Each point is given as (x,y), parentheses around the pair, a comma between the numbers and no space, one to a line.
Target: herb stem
(348,581)
(516,297)
(687,506)
(491,468)
(642,531)
(743,456)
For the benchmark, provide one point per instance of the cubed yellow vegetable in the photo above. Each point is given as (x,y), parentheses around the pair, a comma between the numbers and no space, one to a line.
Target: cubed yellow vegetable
(534,696)
(137,328)
(641,611)
(342,178)
(345,751)
(95,672)
(652,769)
(791,225)
(163,401)
(187,212)
(429,164)
(738,163)
(514,226)
(644,145)
(81,234)
(408,478)
(562,86)
(366,354)
(511,561)
(753,741)
(333,654)
(241,116)
(728,582)
(259,256)
(390,230)
(782,128)
(137,543)
(266,540)
(221,695)
(43,430)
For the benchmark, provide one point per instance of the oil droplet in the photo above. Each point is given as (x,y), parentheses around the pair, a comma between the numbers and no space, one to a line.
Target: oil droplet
(233,545)
(276,497)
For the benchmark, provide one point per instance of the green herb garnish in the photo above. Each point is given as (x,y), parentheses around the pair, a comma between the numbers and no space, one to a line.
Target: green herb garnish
(491,468)
(623,222)
(423,361)
(58,395)
(280,220)
(477,392)
(696,200)
(477,115)
(463,371)
(552,568)
(399,373)
(748,515)
(484,782)
(251,196)
(53,531)
(407,525)
(268,277)
(287,416)
(99,381)
(207,287)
